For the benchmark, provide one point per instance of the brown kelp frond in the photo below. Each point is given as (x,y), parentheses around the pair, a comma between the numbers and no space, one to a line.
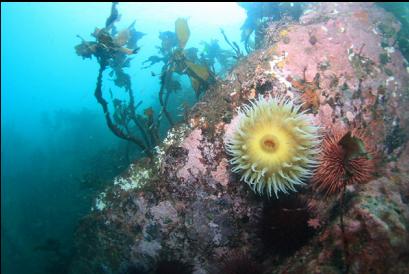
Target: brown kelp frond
(112,50)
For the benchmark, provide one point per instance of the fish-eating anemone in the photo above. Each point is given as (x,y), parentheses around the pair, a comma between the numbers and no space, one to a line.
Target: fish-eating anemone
(274,145)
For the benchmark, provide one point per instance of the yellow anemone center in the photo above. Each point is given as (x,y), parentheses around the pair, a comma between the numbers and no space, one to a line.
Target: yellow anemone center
(270,146)
(269,143)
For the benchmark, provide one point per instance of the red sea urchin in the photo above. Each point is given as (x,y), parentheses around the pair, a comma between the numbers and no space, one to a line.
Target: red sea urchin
(336,167)
(239,262)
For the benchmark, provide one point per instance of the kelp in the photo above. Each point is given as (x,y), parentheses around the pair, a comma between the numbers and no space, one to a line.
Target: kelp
(178,60)
(134,36)
(200,71)
(212,54)
(113,50)
(182,32)
(153,130)
(111,125)
(233,45)
(113,17)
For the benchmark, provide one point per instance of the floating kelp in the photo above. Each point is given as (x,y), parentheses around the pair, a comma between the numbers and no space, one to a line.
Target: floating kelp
(112,50)
(182,32)
(233,45)
(134,36)
(178,60)
(200,71)
(169,41)
(213,53)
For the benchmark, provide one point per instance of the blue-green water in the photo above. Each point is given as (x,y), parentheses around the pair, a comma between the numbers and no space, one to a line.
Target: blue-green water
(53,131)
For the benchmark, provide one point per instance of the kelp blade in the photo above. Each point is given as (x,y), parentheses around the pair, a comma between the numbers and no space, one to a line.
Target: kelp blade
(201,71)
(182,31)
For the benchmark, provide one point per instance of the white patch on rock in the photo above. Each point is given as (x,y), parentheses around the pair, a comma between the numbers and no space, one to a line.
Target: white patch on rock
(99,201)
(390,50)
(391,78)
(351,53)
(350,116)
(138,178)
(274,70)
(175,137)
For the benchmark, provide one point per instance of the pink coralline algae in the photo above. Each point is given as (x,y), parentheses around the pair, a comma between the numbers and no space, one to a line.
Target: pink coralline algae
(346,55)
(339,41)
(164,213)
(314,223)
(230,128)
(221,174)
(193,164)
(334,38)
(325,116)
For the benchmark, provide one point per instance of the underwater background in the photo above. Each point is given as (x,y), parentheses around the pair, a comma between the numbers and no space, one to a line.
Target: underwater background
(54,135)
(155,188)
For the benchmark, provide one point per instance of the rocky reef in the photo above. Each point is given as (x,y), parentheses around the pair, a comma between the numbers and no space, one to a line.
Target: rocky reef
(184,209)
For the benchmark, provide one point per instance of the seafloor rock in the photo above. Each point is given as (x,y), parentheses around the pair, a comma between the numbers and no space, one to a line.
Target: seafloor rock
(185,205)
(376,231)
